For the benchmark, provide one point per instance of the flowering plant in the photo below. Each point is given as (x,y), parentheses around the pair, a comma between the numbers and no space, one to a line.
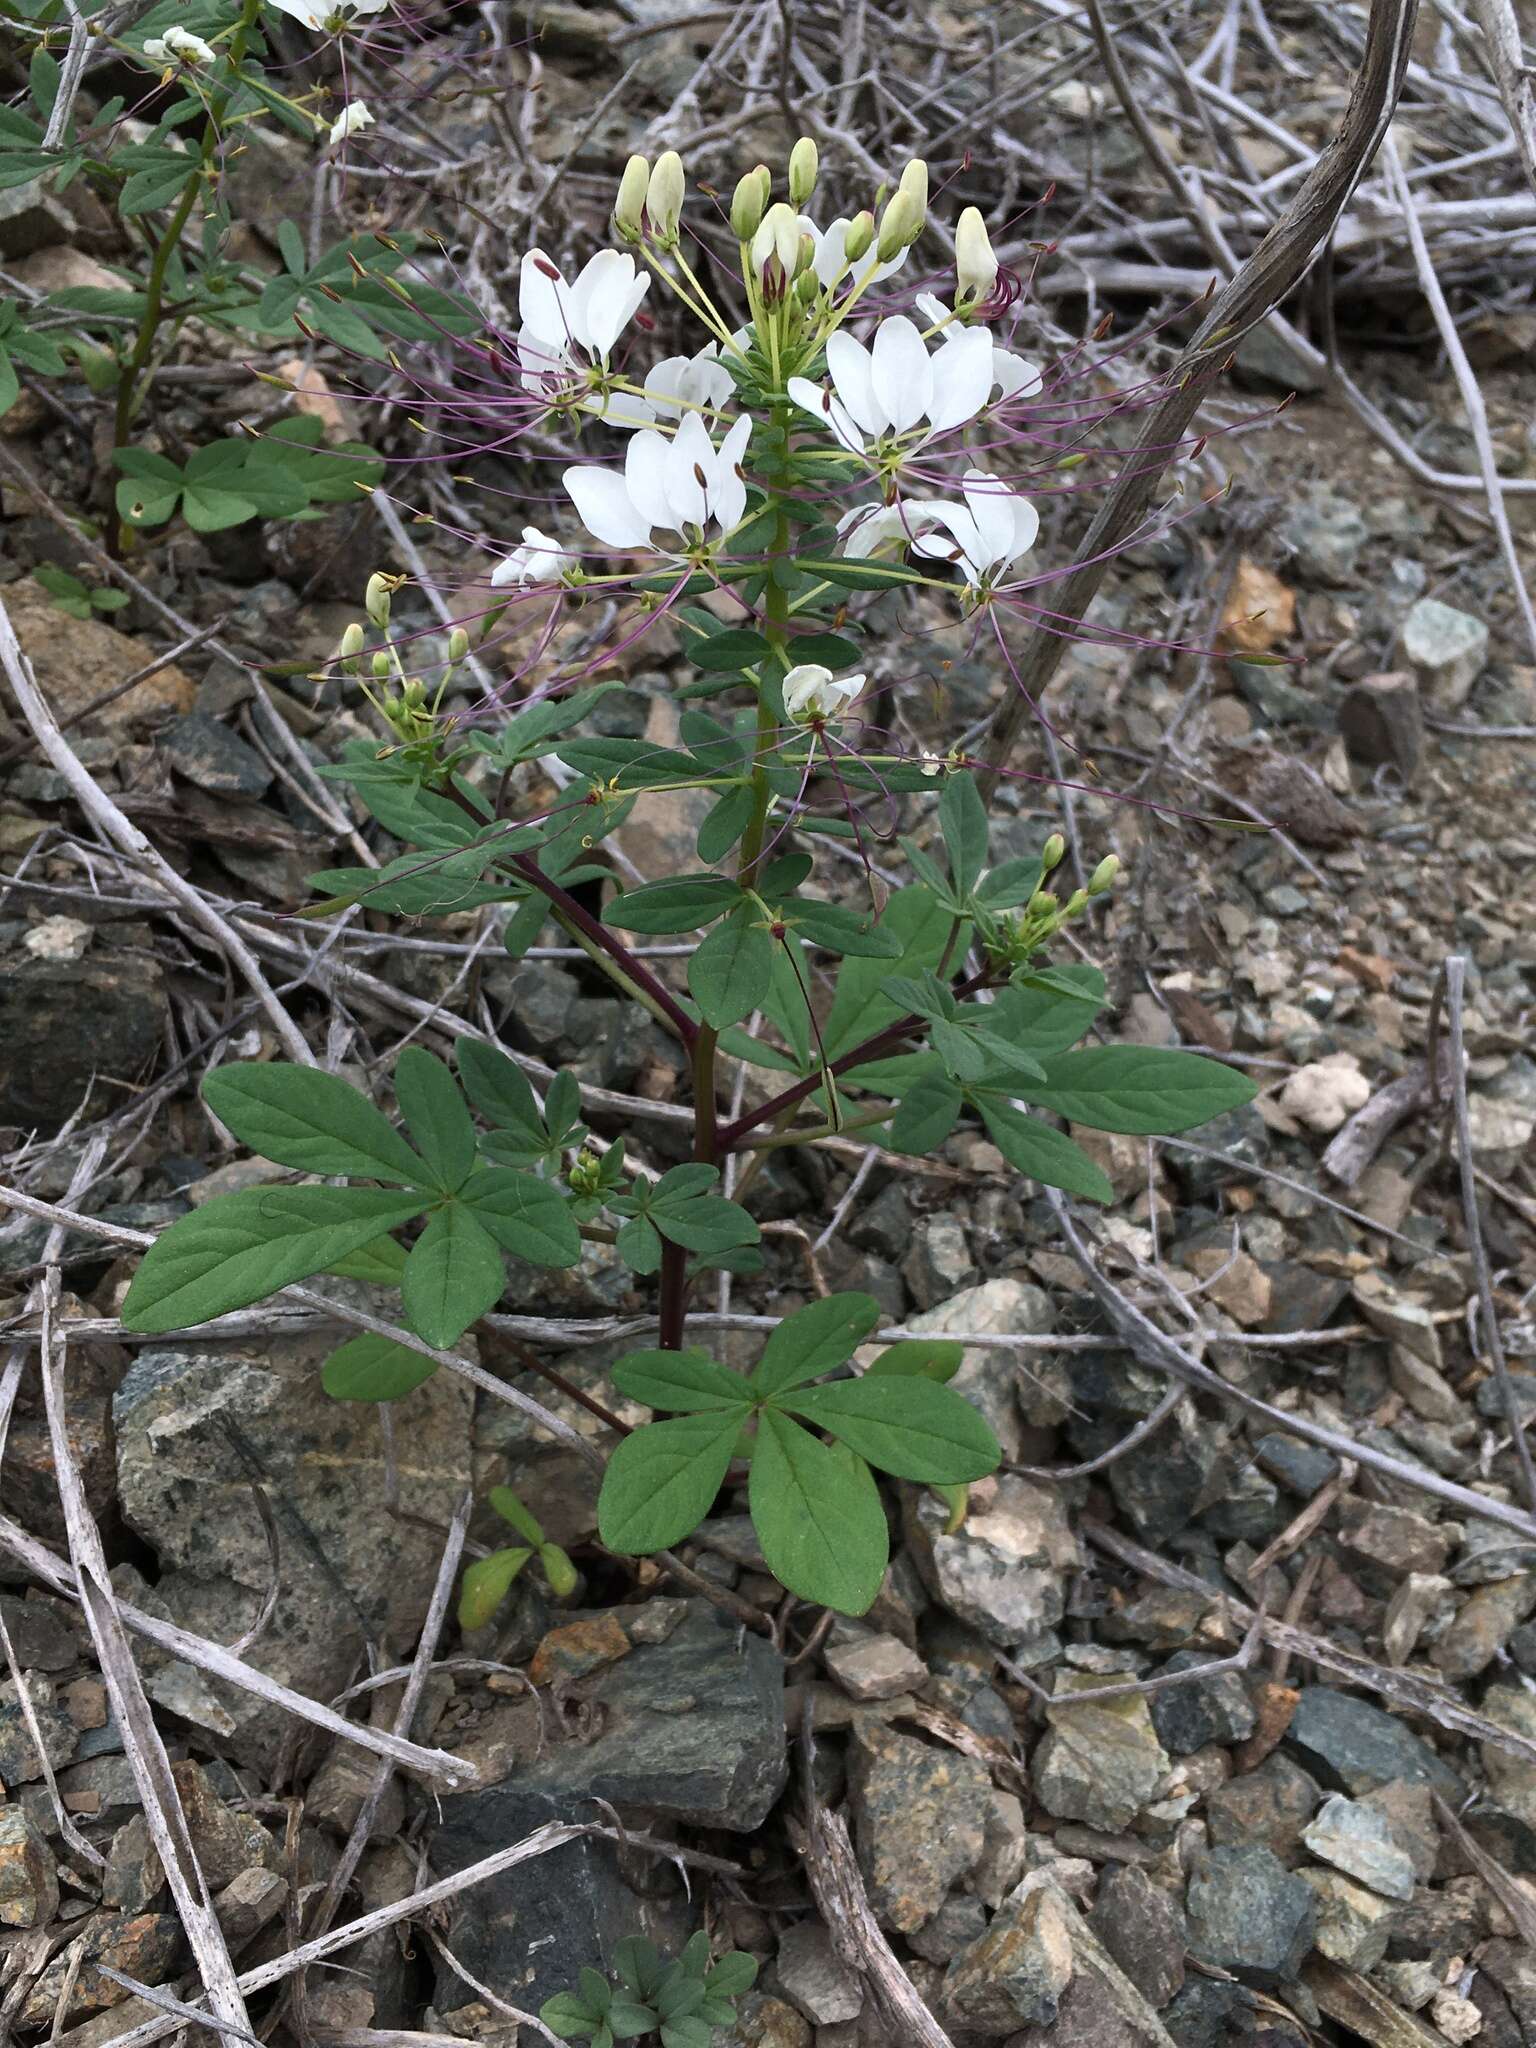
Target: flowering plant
(821,447)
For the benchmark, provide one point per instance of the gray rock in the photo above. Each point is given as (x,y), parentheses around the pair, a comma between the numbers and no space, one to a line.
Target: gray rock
(990,1380)
(195,1428)
(1202,1710)
(1142,1927)
(1358,1840)
(1356,1746)
(764,2022)
(1015,1974)
(1098,1762)
(1100,2007)
(1165,1483)
(134,1875)
(1264,353)
(20,1763)
(1381,719)
(939,1261)
(63,1023)
(960,1921)
(1483,1626)
(1302,1468)
(812,1977)
(1004,1570)
(919,1820)
(1354,1924)
(1204,2013)
(29,1879)
(1327,534)
(248,1903)
(1446,649)
(213,758)
(31,218)
(876,1667)
(885,1226)
(1249,1914)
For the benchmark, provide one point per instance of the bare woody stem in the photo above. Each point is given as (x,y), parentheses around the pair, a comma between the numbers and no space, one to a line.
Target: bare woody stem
(658,998)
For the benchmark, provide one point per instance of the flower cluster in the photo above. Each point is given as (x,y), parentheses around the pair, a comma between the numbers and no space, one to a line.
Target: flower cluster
(885,399)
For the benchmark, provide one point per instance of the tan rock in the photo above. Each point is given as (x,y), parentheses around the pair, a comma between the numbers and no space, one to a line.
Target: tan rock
(79,660)
(1259,613)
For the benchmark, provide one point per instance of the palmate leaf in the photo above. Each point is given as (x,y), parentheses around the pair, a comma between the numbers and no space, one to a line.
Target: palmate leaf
(528,1217)
(682,903)
(1044,1153)
(683,1382)
(452,1276)
(731,973)
(438,1117)
(312,1121)
(1143,1090)
(240,1248)
(662,1481)
(813,1341)
(817,1513)
(906,1424)
(370,1368)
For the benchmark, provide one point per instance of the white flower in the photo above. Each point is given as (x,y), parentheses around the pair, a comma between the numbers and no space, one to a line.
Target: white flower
(180,42)
(814,696)
(831,259)
(538,560)
(975,264)
(569,330)
(353,116)
(986,535)
(316,14)
(868,527)
(680,384)
(1012,376)
(889,390)
(679,483)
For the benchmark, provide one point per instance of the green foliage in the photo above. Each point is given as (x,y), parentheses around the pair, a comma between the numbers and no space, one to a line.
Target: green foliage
(22,347)
(683,2001)
(488,1581)
(284,474)
(75,597)
(815,1505)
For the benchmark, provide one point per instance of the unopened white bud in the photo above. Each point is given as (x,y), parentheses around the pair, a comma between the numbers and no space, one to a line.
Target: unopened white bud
(975,265)
(860,237)
(900,226)
(629,207)
(376,598)
(914,182)
(747,205)
(802,171)
(352,643)
(777,241)
(664,196)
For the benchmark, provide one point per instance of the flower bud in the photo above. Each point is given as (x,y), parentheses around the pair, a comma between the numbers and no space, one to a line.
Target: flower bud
(1103,876)
(414,695)
(914,182)
(664,196)
(777,242)
(747,207)
(382,666)
(805,256)
(899,228)
(860,237)
(1052,851)
(807,287)
(376,598)
(802,171)
(458,644)
(352,642)
(629,207)
(975,265)
(1077,903)
(1043,904)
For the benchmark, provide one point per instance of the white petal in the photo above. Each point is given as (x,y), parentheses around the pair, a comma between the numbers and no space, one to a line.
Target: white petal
(1012,376)
(1026,529)
(991,506)
(831,257)
(960,527)
(869,527)
(604,299)
(645,477)
(690,470)
(830,411)
(900,373)
(934,310)
(541,301)
(606,511)
(962,379)
(848,366)
(729,496)
(620,409)
(664,385)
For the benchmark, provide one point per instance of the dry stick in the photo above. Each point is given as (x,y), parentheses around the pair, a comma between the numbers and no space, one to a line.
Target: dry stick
(1471,391)
(1455,989)
(1405,1689)
(838,1889)
(1511,74)
(128,839)
(1154,1347)
(454,1771)
(410,1699)
(151,1767)
(1274,268)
